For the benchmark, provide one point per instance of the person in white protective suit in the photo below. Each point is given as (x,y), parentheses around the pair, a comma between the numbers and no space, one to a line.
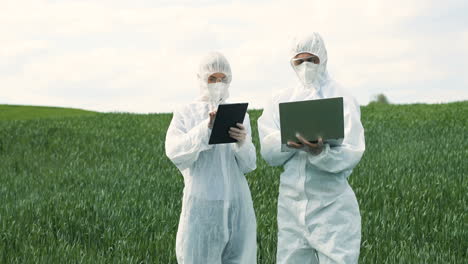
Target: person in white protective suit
(318,214)
(217,223)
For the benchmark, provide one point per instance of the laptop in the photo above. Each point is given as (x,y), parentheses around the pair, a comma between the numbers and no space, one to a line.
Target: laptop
(312,119)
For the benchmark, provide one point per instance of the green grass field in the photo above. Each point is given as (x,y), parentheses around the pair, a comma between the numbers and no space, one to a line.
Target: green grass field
(81,187)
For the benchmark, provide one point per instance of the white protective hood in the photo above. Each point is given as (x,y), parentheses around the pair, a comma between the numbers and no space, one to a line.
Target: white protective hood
(214,62)
(315,45)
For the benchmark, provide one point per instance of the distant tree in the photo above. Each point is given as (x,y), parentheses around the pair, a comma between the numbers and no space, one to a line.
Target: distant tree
(380,99)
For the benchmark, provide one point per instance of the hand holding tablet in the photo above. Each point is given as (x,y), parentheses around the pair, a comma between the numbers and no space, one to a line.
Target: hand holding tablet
(226,123)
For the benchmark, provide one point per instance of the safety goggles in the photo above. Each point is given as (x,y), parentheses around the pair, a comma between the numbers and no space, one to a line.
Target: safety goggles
(299,61)
(213,79)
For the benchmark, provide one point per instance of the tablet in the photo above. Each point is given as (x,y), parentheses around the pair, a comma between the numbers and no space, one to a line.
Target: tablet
(312,119)
(227,116)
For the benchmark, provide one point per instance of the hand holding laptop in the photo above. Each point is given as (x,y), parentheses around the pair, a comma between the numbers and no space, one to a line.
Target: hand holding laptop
(307,146)
(319,122)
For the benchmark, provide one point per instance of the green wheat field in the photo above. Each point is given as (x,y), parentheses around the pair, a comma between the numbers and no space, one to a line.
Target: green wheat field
(85,187)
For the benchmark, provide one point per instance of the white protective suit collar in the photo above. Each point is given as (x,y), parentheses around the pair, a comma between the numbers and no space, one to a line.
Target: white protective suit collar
(212,63)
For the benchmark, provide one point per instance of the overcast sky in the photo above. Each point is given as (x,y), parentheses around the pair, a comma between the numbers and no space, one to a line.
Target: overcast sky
(142,55)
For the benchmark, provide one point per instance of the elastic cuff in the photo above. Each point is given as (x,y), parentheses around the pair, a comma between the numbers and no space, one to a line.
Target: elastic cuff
(314,158)
(243,147)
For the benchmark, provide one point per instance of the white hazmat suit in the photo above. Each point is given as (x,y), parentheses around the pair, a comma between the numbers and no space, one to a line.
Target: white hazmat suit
(217,223)
(318,214)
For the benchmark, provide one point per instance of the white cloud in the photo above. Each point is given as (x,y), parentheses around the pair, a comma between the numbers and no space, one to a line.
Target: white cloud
(140,55)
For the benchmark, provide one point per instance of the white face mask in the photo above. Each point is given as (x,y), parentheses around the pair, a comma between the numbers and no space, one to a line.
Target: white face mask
(307,73)
(218,92)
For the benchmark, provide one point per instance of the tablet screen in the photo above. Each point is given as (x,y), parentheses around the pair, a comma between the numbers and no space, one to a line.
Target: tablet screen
(227,116)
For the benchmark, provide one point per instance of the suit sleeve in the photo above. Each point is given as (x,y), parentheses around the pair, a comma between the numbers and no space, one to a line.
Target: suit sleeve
(270,136)
(184,146)
(245,154)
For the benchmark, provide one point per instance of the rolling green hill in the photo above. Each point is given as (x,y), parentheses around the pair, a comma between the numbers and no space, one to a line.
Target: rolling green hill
(98,188)
(21,112)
